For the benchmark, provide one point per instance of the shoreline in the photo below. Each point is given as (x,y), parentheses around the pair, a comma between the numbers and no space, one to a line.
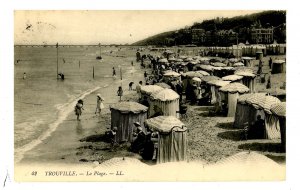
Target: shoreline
(88,124)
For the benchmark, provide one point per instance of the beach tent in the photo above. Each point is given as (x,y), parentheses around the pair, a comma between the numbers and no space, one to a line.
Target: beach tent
(218,64)
(263,104)
(207,68)
(204,73)
(278,66)
(248,77)
(222,71)
(233,78)
(238,64)
(206,80)
(167,100)
(248,61)
(124,115)
(170,75)
(234,90)
(172,138)
(147,90)
(187,78)
(243,109)
(279,110)
(216,95)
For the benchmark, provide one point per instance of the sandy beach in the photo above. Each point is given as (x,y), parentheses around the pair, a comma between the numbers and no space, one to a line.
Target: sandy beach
(210,138)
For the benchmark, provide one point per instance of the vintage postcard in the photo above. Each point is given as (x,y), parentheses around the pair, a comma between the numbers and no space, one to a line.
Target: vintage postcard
(149,95)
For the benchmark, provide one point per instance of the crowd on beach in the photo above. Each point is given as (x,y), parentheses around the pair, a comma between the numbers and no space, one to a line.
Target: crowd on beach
(181,74)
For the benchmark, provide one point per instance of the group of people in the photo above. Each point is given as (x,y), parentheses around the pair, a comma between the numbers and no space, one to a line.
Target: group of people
(79,106)
(145,142)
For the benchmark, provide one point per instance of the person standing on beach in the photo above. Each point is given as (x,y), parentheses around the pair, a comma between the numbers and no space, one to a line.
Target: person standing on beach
(120,92)
(24,76)
(130,85)
(114,72)
(78,109)
(100,105)
(270,62)
(138,89)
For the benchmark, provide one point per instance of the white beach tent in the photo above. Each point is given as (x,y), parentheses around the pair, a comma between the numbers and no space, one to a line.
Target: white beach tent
(243,109)
(167,100)
(248,77)
(272,128)
(124,115)
(172,138)
(216,95)
(234,90)
(147,90)
(279,110)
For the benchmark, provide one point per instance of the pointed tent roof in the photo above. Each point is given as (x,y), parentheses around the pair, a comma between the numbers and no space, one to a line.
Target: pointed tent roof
(149,89)
(262,101)
(129,107)
(165,95)
(232,77)
(234,88)
(218,64)
(238,64)
(210,78)
(193,74)
(165,124)
(207,67)
(204,73)
(242,98)
(172,73)
(218,83)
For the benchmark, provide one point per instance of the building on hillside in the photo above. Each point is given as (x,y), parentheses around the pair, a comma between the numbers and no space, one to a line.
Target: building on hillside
(262,35)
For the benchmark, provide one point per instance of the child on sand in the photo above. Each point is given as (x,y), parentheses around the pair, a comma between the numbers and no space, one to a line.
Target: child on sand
(120,92)
(100,105)
(78,109)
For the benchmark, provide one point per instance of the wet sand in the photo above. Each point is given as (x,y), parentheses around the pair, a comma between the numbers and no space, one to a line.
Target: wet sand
(64,145)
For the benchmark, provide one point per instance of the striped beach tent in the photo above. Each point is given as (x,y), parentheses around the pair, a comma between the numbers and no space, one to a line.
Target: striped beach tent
(279,110)
(124,115)
(233,90)
(167,100)
(172,138)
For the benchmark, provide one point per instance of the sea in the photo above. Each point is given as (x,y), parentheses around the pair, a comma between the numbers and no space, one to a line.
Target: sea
(42,100)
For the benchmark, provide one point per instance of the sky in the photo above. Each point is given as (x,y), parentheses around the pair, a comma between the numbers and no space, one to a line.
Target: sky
(105,27)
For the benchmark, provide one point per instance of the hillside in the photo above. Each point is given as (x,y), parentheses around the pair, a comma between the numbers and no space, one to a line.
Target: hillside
(240,25)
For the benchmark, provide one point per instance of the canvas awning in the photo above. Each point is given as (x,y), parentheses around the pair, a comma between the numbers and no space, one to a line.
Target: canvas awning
(218,64)
(218,83)
(172,74)
(129,107)
(279,109)
(234,88)
(232,77)
(238,64)
(162,61)
(210,78)
(278,61)
(242,98)
(165,124)
(165,95)
(149,89)
(204,73)
(192,74)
